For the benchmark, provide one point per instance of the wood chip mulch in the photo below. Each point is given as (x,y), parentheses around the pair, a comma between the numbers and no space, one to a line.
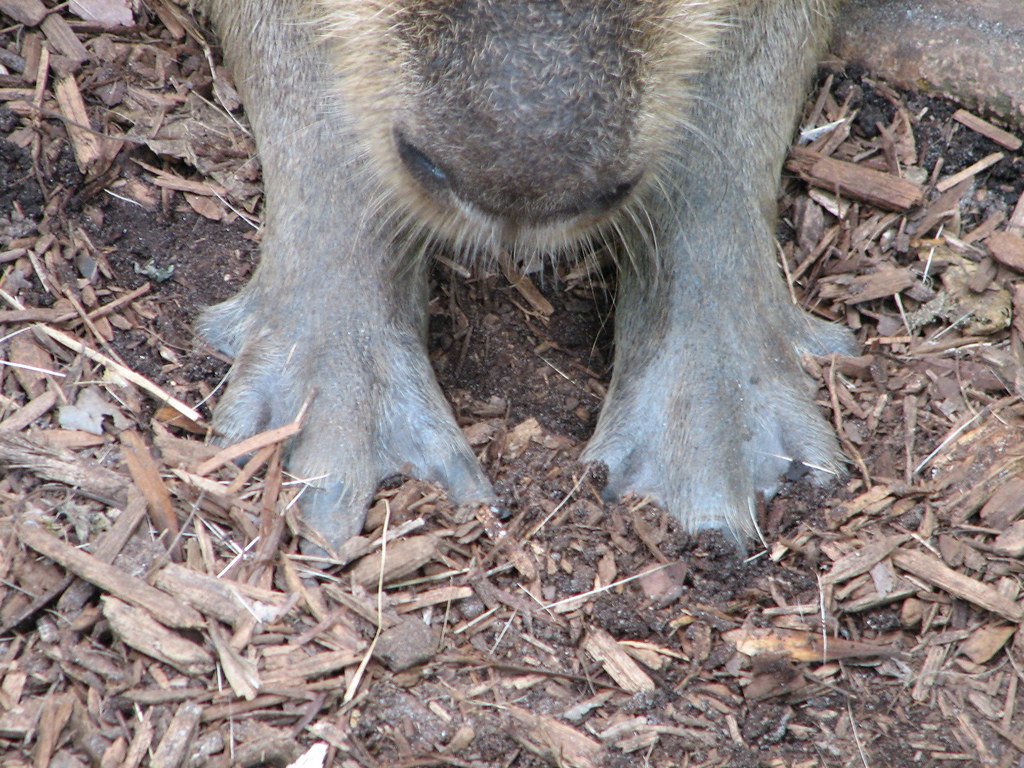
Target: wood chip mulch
(155,608)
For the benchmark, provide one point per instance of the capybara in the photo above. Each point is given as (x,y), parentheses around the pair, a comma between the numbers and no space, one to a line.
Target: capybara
(655,129)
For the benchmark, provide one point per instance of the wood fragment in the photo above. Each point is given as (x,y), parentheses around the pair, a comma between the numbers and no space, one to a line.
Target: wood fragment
(221,599)
(364,608)
(619,665)
(1007,249)
(775,680)
(33,364)
(241,673)
(110,579)
(995,134)
(883,190)
(928,675)
(249,445)
(57,315)
(73,594)
(66,439)
(27,12)
(1010,542)
(176,743)
(28,413)
(438,596)
(150,696)
(204,188)
(1004,505)
(146,475)
(138,629)
(319,665)
(108,545)
(215,712)
(629,734)
(971,734)
(943,207)
(985,642)
(961,509)
(20,452)
(175,20)
(115,367)
(651,655)
(1017,217)
(141,741)
(969,172)
(55,715)
(20,722)
(811,647)
(527,289)
(862,560)
(899,592)
(404,558)
(1015,739)
(553,740)
(930,569)
(179,452)
(59,33)
(986,228)
(84,141)
(886,282)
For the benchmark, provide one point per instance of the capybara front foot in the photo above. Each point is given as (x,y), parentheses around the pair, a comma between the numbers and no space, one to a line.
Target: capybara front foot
(367,413)
(703,434)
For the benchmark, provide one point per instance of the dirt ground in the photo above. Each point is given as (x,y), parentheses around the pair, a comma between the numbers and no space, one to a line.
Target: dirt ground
(154,606)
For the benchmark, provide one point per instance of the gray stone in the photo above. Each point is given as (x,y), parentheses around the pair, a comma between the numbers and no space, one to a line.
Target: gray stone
(406,644)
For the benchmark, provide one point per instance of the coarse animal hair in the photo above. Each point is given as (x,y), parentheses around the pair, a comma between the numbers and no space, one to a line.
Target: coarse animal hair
(379,48)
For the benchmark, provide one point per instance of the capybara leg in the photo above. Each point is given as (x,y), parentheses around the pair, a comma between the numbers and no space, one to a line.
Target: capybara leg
(332,325)
(708,405)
